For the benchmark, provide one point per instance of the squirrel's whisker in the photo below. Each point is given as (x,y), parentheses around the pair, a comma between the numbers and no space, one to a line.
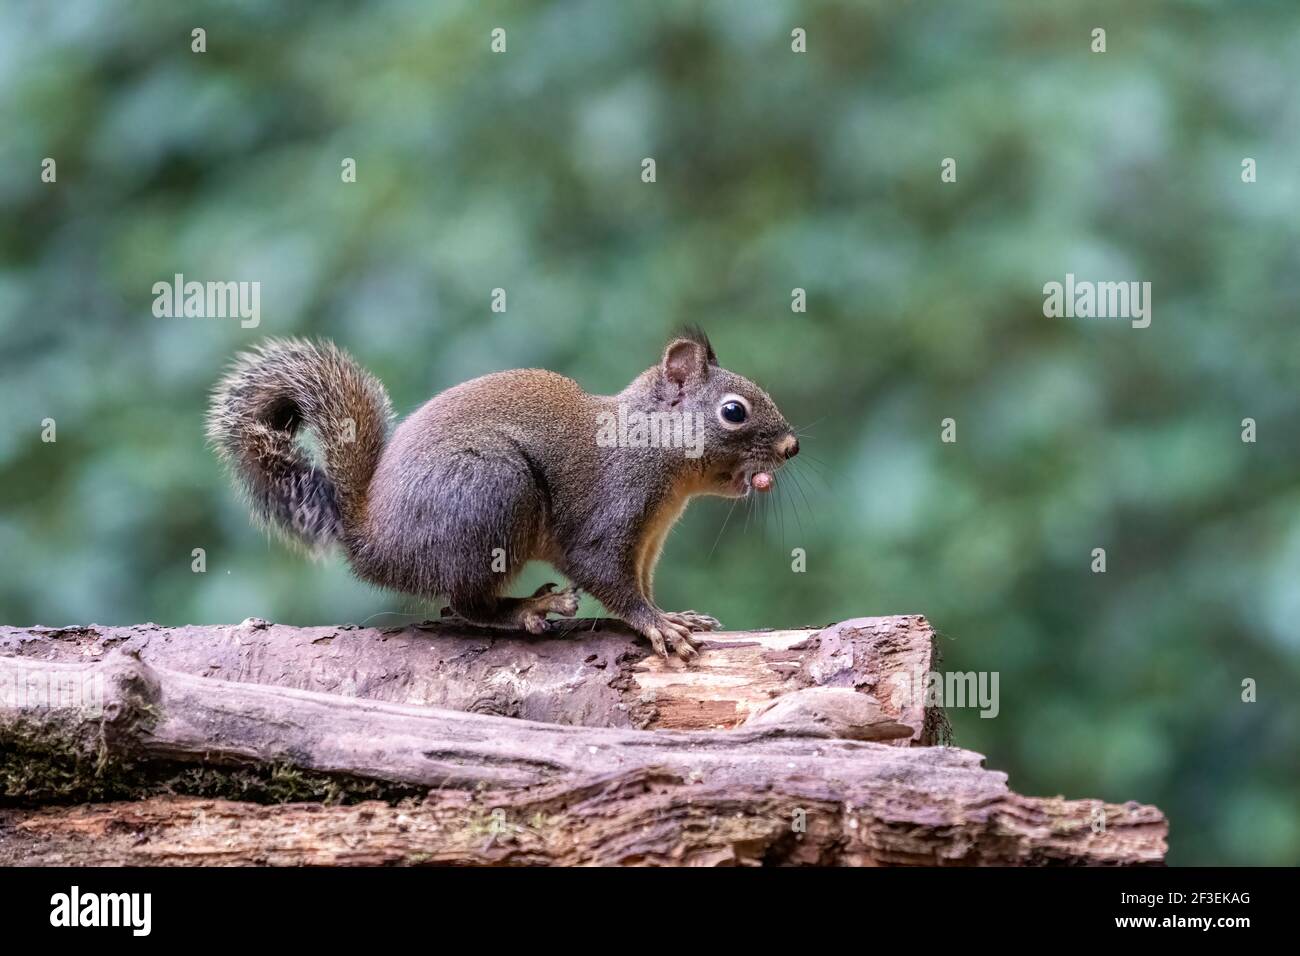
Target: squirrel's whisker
(734,502)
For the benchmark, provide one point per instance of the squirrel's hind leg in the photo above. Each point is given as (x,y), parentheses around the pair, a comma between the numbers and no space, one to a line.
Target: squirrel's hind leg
(512,613)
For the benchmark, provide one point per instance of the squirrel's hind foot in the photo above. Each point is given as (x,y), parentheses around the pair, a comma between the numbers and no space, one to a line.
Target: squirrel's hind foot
(511,613)
(547,600)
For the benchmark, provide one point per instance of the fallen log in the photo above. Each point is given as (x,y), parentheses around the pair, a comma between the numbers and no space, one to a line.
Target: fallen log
(593,673)
(119,727)
(464,787)
(641,817)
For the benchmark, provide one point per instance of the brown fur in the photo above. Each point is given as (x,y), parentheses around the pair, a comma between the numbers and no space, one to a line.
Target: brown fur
(503,468)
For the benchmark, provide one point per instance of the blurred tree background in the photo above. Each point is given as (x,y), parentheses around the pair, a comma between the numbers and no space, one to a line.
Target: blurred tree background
(775,170)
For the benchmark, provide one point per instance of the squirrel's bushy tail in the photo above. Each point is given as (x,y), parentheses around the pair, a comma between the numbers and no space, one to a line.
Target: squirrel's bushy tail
(253,421)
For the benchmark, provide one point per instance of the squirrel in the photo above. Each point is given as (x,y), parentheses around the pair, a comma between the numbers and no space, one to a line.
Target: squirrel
(494,472)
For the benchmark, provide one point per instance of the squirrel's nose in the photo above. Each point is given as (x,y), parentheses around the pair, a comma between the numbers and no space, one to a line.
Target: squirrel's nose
(788,447)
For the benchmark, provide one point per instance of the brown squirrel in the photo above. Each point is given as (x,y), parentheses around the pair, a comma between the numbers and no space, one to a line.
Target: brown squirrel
(496,471)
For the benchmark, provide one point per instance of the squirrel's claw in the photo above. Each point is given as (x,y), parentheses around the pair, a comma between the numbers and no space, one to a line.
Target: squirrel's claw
(685,649)
(668,633)
(694,620)
(657,641)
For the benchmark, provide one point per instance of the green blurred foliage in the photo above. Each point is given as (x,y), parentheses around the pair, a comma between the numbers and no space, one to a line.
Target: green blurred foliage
(775,170)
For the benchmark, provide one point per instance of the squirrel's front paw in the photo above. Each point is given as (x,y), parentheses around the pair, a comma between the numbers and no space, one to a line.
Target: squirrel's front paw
(694,620)
(664,633)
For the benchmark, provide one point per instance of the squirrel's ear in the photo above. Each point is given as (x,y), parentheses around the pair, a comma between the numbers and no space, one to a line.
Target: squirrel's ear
(685,362)
(688,357)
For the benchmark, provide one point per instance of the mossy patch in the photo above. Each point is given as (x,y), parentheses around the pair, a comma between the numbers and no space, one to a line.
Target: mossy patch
(43,764)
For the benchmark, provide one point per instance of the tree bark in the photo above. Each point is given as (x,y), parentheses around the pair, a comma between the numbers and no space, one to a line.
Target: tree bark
(641,817)
(494,789)
(596,673)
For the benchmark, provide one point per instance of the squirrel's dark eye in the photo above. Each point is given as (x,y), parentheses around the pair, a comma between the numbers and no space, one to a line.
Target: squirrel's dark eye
(734,412)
